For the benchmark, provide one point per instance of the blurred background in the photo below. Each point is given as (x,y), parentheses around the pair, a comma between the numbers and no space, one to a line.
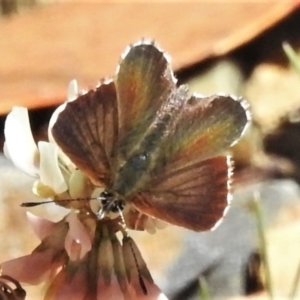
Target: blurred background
(232,47)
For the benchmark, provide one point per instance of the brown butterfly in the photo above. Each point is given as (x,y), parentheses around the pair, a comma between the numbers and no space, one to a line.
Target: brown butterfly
(152,145)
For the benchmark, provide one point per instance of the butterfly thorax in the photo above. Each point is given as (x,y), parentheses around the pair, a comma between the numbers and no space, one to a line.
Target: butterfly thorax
(133,173)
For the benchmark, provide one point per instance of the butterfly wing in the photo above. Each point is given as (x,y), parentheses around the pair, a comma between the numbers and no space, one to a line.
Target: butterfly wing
(206,127)
(115,117)
(87,130)
(189,185)
(144,81)
(194,197)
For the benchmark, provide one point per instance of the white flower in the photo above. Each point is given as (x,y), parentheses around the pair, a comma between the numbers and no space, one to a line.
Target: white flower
(40,160)
(19,143)
(45,160)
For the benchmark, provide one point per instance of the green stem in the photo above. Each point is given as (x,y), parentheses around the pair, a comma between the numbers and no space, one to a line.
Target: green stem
(262,241)
(204,291)
(292,56)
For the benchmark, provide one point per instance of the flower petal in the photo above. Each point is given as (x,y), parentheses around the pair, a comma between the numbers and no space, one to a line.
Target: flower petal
(42,190)
(109,291)
(73,90)
(152,224)
(77,234)
(5,151)
(153,292)
(50,172)
(32,268)
(52,121)
(42,227)
(95,205)
(69,285)
(160,224)
(20,144)
(79,185)
(139,277)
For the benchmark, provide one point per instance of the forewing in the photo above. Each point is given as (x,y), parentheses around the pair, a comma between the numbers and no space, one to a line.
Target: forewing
(194,197)
(144,81)
(205,128)
(87,130)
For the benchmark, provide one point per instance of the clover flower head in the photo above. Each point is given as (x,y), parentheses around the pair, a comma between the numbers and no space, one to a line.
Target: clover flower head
(79,257)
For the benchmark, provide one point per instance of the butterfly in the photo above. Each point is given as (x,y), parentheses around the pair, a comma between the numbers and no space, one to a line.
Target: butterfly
(151,144)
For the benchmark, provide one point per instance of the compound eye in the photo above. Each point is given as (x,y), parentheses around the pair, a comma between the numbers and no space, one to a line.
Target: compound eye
(106,197)
(106,194)
(117,206)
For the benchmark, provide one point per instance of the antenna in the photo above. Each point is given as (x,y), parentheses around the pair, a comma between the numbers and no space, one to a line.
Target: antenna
(32,204)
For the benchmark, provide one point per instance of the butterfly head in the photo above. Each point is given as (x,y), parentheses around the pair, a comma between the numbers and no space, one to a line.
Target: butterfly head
(110,202)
